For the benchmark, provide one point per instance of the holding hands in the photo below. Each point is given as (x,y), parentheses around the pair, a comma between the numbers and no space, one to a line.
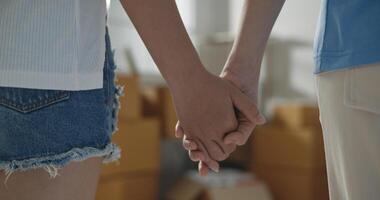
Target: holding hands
(215,113)
(225,119)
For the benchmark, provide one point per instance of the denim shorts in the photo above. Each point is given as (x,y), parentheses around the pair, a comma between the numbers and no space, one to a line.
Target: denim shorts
(50,128)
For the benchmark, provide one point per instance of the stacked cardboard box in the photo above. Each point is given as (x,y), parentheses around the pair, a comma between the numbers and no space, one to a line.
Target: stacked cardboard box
(288,154)
(139,141)
(136,174)
(157,102)
(137,187)
(296,115)
(240,158)
(131,104)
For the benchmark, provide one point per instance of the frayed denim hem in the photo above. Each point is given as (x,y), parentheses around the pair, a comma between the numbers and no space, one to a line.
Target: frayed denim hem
(51,164)
(116,106)
(119,91)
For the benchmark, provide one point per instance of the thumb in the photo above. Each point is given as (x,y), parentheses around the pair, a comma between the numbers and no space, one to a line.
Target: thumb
(246,106)
(241,134)
(178,130)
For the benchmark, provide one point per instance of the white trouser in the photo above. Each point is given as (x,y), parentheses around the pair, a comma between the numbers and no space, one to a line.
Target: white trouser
(349,103)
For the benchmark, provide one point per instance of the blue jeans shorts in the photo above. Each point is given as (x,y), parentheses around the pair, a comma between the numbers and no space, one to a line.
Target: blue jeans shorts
(50,128)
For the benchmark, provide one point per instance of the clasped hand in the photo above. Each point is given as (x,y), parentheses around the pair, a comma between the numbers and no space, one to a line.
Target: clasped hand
(213,117)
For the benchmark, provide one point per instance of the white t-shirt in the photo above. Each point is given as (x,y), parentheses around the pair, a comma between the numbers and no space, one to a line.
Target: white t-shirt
(52,44)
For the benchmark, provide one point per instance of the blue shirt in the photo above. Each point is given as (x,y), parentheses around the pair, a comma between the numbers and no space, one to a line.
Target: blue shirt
(348,34)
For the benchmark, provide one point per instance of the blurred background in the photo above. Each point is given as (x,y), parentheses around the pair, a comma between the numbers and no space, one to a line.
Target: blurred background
(284,159)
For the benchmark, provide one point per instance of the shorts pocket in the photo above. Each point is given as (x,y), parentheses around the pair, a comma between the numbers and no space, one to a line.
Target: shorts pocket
(26,100)
(361,88)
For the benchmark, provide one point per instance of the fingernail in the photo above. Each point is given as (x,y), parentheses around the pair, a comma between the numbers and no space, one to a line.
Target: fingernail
(233,141)
(229,141)
(192,146)
(261,119)
(215,168)
(188,145)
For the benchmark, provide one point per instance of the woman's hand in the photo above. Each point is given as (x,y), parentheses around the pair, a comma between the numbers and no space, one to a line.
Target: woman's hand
(206,111)
(236,137)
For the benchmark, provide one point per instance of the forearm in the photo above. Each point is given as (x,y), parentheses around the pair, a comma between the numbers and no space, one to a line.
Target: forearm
(243,64)
(159,24)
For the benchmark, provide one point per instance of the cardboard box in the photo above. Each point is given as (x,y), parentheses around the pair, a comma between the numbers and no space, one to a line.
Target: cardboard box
(220,187)
(241,157)
(158,102)
(139,141)
(130,102)
(278,145)
(169,114)
(290,161)
(287,183)
(295,115)
(151,102)
(253,191)
(140,186)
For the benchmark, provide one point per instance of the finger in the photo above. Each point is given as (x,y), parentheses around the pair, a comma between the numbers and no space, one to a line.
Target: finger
(226,149)
(229,148)
(202,169)
(202,148)
(260,120)
(201,153)
(241,135)
(196,155)
(178,130)
(247,106)
(189,144)
(216,150)
(212,164)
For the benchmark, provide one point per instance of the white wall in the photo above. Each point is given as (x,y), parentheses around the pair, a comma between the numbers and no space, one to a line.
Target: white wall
(292,36)
(289,55)
(297,20)
(202,18)
(295,27)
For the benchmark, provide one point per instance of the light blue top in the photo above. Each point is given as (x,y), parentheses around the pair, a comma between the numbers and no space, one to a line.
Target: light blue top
(348,34)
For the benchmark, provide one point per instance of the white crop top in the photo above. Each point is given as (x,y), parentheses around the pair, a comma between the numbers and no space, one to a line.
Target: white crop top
(52,44)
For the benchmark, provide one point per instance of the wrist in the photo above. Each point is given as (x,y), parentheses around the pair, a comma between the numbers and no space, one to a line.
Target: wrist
(187,78)
(245,81)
